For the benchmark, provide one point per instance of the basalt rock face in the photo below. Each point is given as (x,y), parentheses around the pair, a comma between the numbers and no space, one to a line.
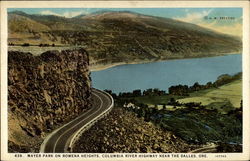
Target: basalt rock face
(44,92)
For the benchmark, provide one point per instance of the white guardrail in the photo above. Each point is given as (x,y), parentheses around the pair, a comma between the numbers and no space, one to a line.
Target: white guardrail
(78,134)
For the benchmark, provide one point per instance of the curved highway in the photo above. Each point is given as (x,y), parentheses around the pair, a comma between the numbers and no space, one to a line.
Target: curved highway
(60,140)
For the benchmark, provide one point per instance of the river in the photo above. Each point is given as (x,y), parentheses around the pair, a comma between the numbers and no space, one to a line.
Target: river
(163,74)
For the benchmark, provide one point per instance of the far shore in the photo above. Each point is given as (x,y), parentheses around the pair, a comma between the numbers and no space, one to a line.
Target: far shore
(100,67)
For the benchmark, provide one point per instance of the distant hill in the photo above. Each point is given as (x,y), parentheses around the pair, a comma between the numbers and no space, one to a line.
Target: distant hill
(115,37)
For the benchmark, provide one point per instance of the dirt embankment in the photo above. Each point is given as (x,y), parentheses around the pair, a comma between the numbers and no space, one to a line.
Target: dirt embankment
(44,92)
(123,131)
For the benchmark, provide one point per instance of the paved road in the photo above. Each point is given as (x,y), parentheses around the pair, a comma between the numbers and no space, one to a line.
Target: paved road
(59,140)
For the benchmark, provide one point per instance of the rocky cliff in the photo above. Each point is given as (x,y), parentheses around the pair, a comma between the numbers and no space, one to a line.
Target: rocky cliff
(44,92)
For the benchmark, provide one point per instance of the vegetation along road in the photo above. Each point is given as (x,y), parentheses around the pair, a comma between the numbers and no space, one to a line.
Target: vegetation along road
(61,140)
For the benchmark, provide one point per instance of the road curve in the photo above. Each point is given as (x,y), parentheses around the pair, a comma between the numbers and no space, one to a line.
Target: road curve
(60,139)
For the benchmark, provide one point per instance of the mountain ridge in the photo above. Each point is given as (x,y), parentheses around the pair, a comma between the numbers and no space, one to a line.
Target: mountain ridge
(114,37)
(106,12)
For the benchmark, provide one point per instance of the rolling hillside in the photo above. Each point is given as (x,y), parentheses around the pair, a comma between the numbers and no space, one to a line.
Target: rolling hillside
(121,37)
(228,94)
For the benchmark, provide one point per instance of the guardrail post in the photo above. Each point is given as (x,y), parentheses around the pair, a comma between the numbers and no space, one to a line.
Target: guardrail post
(78,134)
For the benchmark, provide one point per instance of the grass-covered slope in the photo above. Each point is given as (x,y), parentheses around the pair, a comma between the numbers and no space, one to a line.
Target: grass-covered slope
(210,113)
(114,37)
(228,93)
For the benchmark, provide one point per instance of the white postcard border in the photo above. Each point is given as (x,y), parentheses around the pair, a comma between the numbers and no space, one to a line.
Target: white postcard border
(123,4)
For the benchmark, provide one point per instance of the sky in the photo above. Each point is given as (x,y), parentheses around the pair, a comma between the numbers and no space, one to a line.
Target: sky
(205,17)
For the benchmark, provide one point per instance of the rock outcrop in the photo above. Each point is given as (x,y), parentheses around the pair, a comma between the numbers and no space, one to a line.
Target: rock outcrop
(44,92)
(124,132)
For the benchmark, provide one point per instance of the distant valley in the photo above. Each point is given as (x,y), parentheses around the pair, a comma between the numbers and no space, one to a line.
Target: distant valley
(120,37)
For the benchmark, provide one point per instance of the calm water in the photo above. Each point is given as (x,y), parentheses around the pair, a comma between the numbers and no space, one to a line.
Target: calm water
(162,75)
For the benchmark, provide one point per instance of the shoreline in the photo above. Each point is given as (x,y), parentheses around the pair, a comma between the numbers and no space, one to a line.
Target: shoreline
(100,67)
(95,68)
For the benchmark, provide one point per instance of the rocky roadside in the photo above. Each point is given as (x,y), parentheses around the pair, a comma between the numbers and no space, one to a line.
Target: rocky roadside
(44,92)
(124,132)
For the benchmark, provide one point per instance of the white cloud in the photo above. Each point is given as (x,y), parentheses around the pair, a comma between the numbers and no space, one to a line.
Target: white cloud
(73,14)
(65,14)
(47,12)
(194,17)
(233,29)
